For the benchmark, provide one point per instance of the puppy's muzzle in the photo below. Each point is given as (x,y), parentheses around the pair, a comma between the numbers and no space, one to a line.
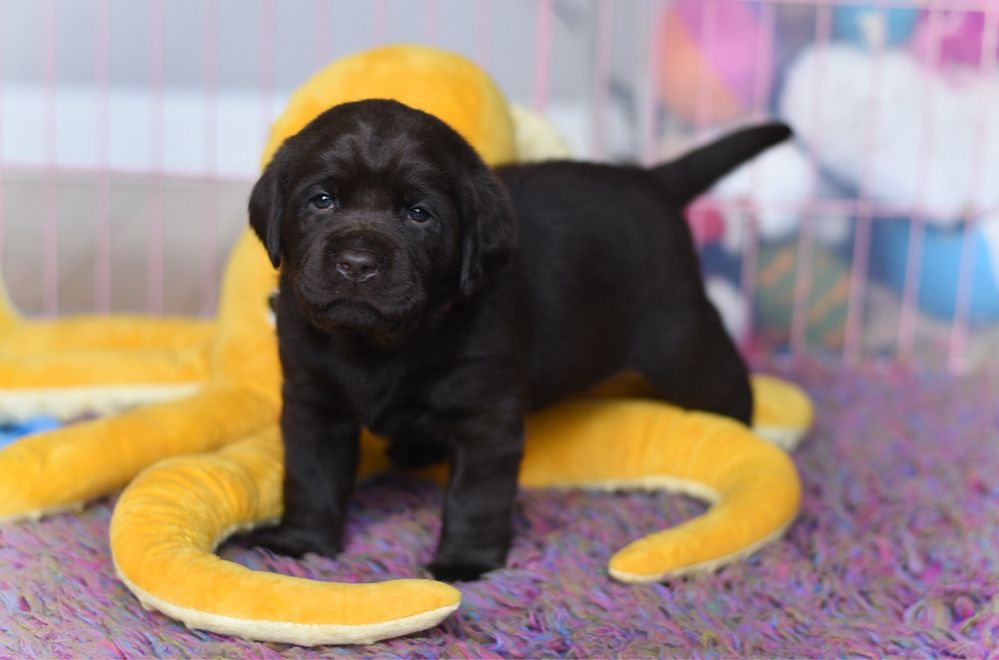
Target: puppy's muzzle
(356,265)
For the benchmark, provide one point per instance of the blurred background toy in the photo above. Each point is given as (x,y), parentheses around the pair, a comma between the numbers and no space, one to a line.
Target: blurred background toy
(824,306)
(946,38)
(732,307)
(765,202)
(938,157)
(794,29)
(928,141)
(940,270)
(704,74)
(777,186)
(872,26)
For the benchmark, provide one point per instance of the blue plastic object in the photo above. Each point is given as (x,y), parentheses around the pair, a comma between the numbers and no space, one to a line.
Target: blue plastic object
(858,24)
(11,432)
(939,268)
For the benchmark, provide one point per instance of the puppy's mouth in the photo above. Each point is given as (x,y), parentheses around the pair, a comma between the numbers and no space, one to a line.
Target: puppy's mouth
(349,315)
(357,310)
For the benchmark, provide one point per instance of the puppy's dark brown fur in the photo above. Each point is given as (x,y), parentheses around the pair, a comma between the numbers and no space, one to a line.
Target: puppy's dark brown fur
(438,303)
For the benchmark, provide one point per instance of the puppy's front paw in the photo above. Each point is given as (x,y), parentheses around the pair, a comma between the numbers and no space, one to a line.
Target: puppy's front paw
(292,540)
(460,571)
(460,564)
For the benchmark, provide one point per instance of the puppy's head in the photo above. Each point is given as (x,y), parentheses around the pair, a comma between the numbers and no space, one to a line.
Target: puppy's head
(378,214)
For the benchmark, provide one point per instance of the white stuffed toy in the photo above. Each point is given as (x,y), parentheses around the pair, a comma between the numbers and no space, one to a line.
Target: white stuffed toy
(907,134)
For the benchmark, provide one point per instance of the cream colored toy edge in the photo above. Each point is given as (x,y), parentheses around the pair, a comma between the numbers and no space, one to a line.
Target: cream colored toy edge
(69,402)
(302,634)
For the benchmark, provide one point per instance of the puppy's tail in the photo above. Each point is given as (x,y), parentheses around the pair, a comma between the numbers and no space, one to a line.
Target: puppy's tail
(688,176)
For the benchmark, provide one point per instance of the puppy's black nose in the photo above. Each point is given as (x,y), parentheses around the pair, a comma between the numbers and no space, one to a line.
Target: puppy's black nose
(356,265)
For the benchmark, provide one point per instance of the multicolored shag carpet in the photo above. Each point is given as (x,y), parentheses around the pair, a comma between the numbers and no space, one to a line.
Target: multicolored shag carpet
(896,552)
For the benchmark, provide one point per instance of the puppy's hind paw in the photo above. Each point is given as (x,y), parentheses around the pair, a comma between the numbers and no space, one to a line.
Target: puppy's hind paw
(290,541)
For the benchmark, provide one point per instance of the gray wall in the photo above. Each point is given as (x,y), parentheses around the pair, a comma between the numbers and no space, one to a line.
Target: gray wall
(304,33)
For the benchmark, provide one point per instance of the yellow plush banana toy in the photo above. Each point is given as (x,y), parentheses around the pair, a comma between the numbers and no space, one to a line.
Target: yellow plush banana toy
(205,440)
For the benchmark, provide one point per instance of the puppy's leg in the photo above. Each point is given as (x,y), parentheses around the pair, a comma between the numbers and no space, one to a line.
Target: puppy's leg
(320,468)
(693,363)
(478,507)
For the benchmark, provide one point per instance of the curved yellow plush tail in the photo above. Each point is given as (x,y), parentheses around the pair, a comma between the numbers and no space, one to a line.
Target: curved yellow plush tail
(170,519)
(752,485)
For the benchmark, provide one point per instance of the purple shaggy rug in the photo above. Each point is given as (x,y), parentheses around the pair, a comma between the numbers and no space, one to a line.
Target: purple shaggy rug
(896,552)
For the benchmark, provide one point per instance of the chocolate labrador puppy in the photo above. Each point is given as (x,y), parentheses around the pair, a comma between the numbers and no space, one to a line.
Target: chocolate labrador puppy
(438,302)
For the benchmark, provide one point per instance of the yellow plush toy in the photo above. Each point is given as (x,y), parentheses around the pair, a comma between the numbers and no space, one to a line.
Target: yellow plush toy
(48,367)
(172,516)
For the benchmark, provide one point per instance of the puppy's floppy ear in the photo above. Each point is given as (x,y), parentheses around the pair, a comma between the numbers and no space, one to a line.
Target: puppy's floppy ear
(266,209)
(488,229)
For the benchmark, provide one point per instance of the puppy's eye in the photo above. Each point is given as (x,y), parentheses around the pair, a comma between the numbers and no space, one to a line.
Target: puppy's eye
(418,214)
(322,201)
